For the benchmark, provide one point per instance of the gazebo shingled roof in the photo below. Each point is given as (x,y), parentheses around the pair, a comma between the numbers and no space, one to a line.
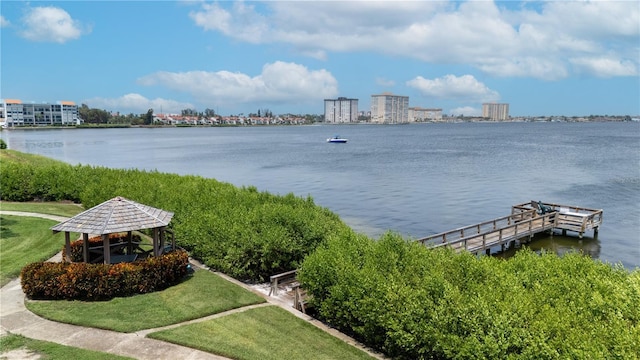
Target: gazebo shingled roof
(116,215)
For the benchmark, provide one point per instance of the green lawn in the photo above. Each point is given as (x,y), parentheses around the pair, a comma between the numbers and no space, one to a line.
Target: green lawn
(203,294)
(51,208)
(261,334)
(50,351)
(24,240)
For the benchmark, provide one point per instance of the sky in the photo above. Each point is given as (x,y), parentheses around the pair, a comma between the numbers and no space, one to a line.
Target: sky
(543,58)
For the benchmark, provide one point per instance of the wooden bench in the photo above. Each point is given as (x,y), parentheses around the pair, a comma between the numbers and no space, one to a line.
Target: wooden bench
(301,299)
(286,278)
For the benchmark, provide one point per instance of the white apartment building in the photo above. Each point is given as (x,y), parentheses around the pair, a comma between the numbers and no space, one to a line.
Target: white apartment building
(495,111)
(340,110)
(17,113)
(418,114)
(387,108)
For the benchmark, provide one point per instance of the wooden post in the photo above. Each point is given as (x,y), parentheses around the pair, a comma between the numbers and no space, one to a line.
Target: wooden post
(155,242)
(67,247)
(106,249)
(85,247)
(129,244)
(162,241)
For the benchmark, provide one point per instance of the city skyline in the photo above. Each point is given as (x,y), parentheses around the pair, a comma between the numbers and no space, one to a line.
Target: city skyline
(543,58)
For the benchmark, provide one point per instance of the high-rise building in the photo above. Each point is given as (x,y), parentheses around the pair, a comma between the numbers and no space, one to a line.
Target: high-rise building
(495,111)
(387,108)
(17,113)
(341,110)
(418,114)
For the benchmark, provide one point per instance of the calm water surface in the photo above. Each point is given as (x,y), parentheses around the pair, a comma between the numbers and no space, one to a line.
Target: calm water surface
(415,179)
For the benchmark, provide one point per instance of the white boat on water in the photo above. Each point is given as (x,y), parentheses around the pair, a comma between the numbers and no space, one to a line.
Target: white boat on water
(337,139)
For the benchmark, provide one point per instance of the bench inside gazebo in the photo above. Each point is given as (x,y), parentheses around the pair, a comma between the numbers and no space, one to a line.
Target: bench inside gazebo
(115,216)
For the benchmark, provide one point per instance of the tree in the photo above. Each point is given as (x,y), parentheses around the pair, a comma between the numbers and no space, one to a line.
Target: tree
(148,117)
(189,112)
(209,113)
(93,116)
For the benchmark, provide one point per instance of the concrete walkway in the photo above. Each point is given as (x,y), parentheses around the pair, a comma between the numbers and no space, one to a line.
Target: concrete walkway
(16,319)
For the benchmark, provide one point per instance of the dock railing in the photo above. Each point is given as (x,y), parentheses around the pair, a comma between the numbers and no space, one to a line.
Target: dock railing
(497,232)
(572,218)
(477,229)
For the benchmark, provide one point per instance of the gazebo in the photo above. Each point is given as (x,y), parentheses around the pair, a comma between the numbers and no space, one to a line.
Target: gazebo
(115,216)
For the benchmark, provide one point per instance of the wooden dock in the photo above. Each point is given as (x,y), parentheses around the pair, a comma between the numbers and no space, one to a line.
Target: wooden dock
(570,218)
(525,221)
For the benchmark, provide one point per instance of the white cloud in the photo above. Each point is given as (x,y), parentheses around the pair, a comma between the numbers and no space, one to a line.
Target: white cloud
(466,111)
(51,24)
(243,22)
(385,82)
(137,104)
(4,22)
(279,82)
(532,41)
(465,88)
(605,67)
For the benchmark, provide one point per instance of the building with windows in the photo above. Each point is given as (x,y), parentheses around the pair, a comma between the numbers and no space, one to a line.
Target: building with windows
(17,113)
(418,114)
(340,110)
(495,111)
(387,108)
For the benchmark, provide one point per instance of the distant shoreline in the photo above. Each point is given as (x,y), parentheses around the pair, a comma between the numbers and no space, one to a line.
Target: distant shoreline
(448,121)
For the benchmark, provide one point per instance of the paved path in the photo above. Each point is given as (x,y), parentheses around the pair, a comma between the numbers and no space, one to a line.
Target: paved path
(38,215)
(16,319)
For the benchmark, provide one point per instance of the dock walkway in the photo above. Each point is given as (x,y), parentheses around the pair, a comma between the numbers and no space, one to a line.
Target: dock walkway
(525,221)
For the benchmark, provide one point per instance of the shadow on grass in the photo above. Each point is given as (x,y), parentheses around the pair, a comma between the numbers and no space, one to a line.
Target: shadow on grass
(5,231)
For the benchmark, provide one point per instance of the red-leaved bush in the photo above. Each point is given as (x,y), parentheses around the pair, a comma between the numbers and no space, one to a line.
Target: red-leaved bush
(82,281)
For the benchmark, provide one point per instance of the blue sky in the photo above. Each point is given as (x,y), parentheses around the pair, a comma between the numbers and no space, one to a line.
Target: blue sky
(546,58)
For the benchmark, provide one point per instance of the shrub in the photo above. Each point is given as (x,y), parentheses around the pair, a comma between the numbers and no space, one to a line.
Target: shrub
(245,233)
(82,281)
(417,303)
(3,145)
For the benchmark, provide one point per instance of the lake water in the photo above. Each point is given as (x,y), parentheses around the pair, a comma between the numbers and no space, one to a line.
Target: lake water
(416,179)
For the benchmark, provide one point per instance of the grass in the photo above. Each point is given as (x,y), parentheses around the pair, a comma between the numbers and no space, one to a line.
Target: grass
(50,351)
(203,294)
(261,334)
(20,157)
(51,208)
(24,240)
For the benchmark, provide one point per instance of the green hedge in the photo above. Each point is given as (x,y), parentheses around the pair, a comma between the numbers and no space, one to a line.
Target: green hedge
(416,303)
(82,281)
(243,232)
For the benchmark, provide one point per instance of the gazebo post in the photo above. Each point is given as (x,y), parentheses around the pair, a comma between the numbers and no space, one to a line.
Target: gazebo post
(155,242)
(162,238)
(67,246)
(106,249)
(129,244)
(85,247)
